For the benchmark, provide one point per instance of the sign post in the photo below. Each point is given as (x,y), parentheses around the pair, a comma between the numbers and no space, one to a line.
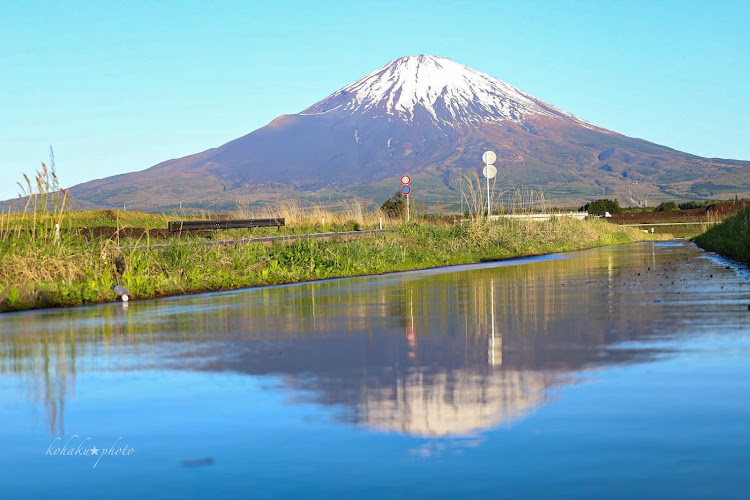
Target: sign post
(489,171)
(405,180)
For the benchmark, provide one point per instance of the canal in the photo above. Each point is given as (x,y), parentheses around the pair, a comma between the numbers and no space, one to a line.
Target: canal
(615,372)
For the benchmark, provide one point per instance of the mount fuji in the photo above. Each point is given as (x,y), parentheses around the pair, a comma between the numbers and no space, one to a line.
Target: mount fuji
(431,118)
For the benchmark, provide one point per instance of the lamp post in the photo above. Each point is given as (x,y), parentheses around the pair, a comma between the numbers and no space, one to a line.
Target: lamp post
(489,171)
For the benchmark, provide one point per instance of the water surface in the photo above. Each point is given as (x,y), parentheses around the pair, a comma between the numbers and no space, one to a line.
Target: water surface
(614,372)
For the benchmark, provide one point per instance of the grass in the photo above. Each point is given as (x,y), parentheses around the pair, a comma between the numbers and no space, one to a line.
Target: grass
(730,238)
(679,231)
(52,257)
(37,271)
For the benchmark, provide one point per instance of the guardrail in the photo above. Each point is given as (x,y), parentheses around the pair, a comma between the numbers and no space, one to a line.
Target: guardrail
(573,215)
(194,225)
(666,224)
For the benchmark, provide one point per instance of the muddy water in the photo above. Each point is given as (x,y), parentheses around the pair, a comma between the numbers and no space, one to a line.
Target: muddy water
(612,373)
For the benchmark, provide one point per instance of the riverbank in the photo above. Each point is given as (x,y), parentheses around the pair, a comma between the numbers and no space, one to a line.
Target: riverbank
(38,271)
(730,238)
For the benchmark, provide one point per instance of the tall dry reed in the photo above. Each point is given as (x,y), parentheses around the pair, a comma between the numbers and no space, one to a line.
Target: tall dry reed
(296,214)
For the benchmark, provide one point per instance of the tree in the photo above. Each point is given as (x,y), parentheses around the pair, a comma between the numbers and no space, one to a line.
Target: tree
(395,206)
(667,206)
(695,204)
(599,207)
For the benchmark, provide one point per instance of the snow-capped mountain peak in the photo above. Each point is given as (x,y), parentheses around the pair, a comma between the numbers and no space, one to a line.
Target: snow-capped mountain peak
(449,92)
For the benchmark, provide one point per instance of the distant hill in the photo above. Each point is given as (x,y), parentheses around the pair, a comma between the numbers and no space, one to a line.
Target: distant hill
(72,203)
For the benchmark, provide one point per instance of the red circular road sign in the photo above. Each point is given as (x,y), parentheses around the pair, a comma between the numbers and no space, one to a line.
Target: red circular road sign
(405,189)
(405,179)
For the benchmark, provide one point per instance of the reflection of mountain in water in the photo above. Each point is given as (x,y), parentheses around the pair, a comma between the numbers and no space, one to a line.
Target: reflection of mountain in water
(453,403)
(433,353)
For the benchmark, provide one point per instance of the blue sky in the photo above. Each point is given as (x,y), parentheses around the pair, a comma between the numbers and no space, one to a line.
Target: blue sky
(118,87)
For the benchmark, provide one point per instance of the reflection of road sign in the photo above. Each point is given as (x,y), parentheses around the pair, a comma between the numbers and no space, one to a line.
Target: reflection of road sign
(405,189)
(411,336)
(489,171)
(405,179)
(489,157)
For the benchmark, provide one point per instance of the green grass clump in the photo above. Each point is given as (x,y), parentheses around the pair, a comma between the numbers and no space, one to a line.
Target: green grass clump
(52,257)
(730,238)
(44,271)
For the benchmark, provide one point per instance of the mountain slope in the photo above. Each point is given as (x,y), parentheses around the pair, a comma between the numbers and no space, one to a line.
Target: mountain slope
(431,118)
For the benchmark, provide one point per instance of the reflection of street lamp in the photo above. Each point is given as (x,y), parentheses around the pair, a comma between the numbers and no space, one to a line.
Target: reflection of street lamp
(496,345)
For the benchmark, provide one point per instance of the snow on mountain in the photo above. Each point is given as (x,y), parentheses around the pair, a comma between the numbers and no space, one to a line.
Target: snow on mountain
(449,92)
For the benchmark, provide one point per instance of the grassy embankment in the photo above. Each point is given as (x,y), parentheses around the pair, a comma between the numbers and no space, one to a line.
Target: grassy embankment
(730,238)
(39,269)
(82,261)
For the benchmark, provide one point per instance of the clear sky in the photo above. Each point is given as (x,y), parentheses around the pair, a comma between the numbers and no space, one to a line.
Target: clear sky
(118,87)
